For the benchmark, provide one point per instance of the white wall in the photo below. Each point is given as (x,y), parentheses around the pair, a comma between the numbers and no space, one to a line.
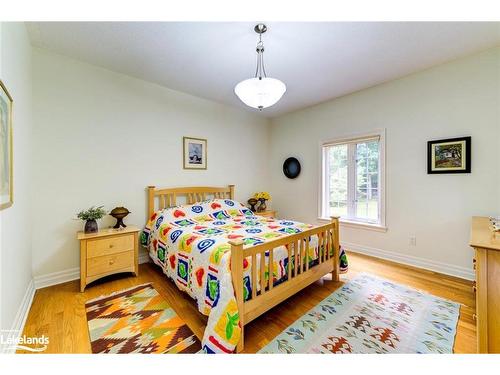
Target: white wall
(454,99)
(15,222)
(102,137)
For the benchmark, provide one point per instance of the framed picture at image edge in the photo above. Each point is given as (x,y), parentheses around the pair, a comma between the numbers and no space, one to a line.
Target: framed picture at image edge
(6,166)
(452,155)
(194,153)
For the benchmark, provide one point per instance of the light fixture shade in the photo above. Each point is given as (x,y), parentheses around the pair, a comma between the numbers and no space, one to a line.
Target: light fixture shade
(260,92)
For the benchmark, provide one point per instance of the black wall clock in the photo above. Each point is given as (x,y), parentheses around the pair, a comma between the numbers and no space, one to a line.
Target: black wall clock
(291,167)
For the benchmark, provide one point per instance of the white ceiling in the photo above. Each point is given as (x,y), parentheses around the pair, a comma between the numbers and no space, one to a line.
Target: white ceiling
(317,61)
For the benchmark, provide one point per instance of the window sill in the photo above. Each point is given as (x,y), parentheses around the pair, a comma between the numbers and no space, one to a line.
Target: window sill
(358,225)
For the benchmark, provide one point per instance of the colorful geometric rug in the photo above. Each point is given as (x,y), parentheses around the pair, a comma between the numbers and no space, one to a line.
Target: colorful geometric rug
(137,320)
(372,315)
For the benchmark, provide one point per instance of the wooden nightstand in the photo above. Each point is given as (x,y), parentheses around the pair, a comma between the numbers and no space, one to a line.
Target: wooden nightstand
(107,252)
(267,213)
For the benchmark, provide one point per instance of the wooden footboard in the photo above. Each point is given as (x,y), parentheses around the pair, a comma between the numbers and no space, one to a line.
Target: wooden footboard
(300,275)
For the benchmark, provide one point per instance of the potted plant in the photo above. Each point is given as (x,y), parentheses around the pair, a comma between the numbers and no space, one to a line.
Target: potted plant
(90,217)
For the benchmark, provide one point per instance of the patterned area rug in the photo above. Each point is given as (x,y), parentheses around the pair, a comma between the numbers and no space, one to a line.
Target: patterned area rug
(372,315)
(137,320)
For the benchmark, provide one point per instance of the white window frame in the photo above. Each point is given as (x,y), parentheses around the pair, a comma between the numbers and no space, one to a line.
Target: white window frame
(323,189)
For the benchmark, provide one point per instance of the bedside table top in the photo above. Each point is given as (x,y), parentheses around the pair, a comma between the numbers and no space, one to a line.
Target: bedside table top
(81,235)
(266,213)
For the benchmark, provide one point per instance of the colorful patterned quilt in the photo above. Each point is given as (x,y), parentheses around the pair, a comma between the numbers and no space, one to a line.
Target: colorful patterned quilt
(190,244)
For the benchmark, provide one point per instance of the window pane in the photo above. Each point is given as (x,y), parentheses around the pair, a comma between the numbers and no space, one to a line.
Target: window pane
(337,180)
(366,200)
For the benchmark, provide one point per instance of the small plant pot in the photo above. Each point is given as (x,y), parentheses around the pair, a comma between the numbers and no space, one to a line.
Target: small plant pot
(91,226)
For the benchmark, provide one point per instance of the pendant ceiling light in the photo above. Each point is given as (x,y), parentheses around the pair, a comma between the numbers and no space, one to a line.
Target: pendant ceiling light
(260,92)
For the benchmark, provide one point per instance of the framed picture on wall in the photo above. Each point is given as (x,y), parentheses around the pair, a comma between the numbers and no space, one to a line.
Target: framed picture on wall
(6,166)
(451,155)
(195,153)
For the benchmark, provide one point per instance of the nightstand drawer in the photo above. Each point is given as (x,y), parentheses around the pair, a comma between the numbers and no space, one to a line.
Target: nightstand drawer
(108,246)
(109,263)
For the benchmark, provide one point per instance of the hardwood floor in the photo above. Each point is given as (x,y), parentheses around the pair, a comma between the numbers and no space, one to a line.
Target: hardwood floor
(58,312)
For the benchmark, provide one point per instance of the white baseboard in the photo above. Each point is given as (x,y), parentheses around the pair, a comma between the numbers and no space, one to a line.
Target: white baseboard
(59,277)
(21,315)
(432,265)
(71,274)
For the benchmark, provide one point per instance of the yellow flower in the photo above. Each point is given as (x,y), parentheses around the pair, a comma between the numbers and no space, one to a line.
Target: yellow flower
(262,195)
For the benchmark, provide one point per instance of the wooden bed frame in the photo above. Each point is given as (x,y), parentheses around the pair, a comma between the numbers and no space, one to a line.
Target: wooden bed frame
(269,294)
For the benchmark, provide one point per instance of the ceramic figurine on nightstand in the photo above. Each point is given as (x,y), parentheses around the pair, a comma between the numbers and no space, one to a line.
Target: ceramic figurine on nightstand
(119,213)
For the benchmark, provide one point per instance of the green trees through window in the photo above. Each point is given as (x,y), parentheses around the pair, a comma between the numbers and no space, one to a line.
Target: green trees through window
(353,180)
(338,180)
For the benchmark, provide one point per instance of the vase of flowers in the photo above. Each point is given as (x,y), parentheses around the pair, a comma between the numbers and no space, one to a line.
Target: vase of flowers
(262,197)
(90,217)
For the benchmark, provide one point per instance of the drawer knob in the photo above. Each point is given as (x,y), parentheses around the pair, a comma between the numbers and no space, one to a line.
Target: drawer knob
(112,261)
(111,246)
(474,316)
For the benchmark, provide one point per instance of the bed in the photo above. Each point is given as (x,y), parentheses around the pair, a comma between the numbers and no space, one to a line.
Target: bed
(236,265)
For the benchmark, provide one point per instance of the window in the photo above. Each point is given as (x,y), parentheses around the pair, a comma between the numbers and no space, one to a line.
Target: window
(352,180)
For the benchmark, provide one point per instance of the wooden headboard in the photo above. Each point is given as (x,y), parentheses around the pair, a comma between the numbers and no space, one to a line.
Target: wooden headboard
(168,197)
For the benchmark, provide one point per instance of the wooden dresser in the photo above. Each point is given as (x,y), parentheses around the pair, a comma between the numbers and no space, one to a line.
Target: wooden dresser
(486,245)
(107,252)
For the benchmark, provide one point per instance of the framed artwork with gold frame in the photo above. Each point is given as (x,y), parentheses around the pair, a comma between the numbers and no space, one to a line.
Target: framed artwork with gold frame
(451,155)
(194,153)
(6,165)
